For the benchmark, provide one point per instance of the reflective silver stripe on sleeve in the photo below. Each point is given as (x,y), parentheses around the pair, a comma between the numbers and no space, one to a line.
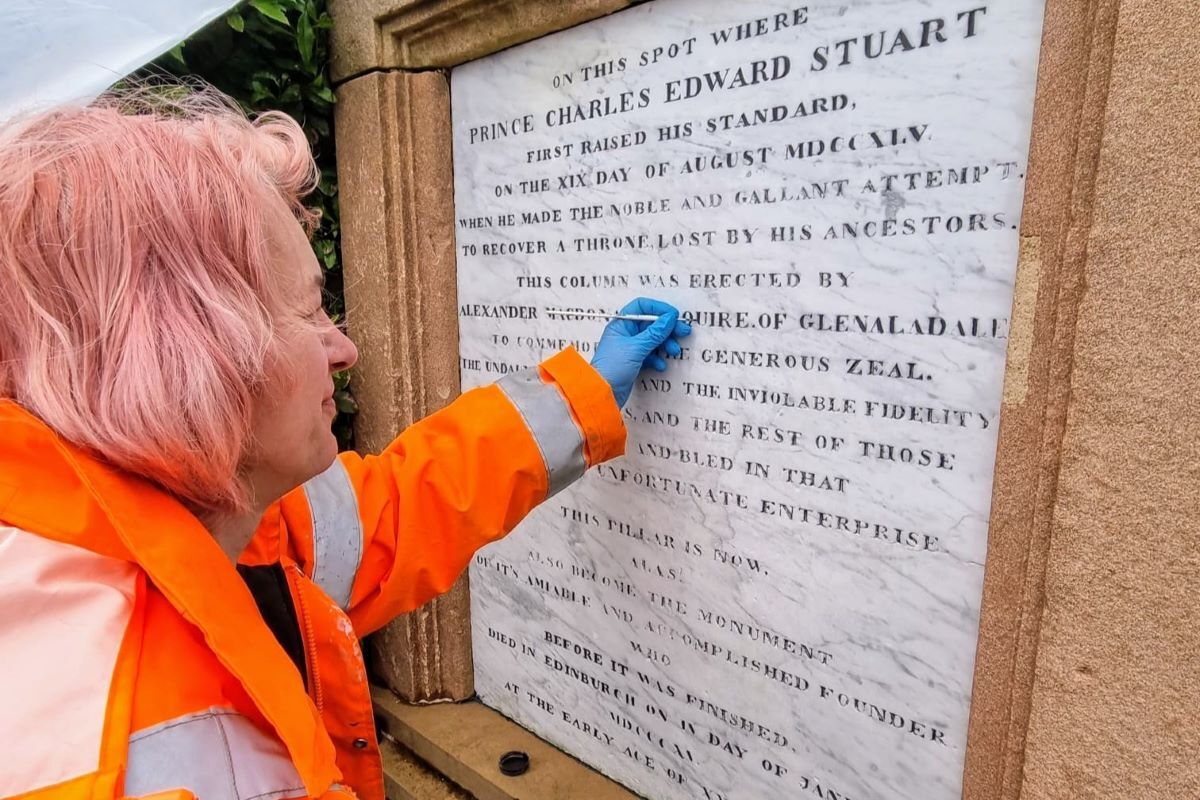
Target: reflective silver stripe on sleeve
(337,532)
(548,418)
(216,754)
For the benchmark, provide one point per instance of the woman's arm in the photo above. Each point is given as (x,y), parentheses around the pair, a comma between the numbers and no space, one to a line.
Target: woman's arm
(384,534)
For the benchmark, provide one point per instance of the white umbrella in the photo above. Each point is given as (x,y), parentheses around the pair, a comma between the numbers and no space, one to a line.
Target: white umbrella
(59,51)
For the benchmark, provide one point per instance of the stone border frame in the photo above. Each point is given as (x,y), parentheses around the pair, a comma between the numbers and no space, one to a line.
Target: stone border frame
(394,162)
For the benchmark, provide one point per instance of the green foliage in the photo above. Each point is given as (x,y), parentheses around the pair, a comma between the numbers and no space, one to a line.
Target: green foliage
(274,55)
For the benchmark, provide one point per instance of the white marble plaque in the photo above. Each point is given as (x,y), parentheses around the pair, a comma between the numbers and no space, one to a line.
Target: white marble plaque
(776,592)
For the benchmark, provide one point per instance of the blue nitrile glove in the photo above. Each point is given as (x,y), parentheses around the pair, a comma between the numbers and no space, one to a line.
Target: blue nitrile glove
(627,346)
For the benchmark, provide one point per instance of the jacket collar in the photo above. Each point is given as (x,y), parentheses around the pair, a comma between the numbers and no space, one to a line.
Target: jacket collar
(56,490)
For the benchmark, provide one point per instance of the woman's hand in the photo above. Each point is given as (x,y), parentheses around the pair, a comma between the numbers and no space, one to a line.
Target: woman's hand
(627,346)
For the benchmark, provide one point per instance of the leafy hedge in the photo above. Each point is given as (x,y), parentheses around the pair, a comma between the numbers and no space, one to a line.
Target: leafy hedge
(274,54)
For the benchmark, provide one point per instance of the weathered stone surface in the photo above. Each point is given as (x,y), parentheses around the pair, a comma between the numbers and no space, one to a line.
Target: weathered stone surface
(398,254)
(1089,617)
(464,741)
(1115,684)
(1065,146)
(414,34)
(406,777)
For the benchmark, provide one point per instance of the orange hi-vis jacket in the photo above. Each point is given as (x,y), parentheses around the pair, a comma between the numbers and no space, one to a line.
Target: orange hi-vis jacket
(137,660)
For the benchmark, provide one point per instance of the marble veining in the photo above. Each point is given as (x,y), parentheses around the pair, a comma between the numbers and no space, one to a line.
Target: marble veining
(775,593)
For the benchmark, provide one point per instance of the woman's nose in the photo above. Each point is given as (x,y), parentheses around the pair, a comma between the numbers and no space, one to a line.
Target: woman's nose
(342,353)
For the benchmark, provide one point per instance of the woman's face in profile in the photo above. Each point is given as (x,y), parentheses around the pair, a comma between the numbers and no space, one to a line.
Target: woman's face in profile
(293,415)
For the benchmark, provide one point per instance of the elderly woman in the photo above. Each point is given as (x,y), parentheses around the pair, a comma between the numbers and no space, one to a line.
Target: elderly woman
(186,565)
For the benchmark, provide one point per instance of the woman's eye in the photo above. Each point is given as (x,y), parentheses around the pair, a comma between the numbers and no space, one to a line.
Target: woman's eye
(323,317)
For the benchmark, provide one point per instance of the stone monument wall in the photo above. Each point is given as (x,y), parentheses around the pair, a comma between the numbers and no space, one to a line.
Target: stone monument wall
(1087,627)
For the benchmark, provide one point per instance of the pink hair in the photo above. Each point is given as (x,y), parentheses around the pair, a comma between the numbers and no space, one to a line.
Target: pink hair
(137,305)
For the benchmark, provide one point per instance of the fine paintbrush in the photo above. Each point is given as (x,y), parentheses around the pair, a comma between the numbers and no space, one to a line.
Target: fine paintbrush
(564,312)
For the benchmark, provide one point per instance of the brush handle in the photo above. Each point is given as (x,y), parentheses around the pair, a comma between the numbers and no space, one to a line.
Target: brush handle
(555,312)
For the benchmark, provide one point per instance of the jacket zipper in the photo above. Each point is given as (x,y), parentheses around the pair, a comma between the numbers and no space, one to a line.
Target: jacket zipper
(310,647)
